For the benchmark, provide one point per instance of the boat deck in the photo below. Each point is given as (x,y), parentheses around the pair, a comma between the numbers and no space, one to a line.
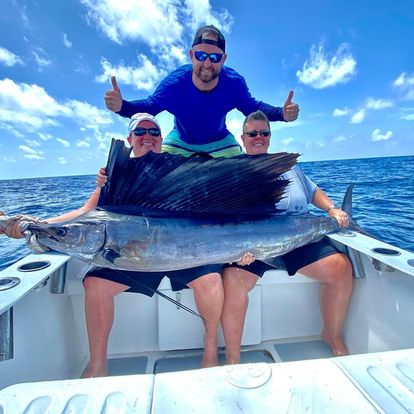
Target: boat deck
(295,349)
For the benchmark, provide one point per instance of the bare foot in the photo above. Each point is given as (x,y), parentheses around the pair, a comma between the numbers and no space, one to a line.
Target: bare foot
(92,372)
(232,359)
(210,359)
(337,346)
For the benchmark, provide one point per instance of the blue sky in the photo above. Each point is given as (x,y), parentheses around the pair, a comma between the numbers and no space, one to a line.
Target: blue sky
(350,64)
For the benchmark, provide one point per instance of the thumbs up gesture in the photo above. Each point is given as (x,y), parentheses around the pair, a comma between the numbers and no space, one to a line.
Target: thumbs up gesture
(113,98)
(290,109)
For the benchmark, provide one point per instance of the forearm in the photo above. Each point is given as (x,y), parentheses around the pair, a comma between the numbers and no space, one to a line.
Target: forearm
(70,215)
(149,106)
(273,113)
(88,206)
(321,200)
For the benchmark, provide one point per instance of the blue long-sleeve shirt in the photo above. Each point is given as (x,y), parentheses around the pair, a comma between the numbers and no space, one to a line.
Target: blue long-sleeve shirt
(200,117)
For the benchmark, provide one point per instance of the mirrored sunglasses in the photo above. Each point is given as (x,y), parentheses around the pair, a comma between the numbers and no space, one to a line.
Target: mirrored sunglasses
(202,56)
(154,132)
(254,133)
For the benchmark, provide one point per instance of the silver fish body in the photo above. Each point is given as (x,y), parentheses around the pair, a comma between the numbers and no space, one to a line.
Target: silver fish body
(146,243)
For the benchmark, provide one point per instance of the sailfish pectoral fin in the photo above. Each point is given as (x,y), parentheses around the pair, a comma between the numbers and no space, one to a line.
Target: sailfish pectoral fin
(110,255)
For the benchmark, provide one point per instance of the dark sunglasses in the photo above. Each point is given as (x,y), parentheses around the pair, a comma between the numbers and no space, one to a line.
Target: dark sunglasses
(202,56)
(254,133)
(154,132)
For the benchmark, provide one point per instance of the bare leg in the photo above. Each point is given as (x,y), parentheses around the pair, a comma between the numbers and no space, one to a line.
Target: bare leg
(99,313)
(335,274)
(208,294)
(237,284)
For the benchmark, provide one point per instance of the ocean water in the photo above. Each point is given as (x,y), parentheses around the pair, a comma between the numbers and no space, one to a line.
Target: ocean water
(383,201)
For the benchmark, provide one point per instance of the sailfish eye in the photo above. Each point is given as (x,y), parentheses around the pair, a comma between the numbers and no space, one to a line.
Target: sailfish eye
(61,231)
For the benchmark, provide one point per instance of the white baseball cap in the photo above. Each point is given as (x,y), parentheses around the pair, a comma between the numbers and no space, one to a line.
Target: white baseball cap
(141,116)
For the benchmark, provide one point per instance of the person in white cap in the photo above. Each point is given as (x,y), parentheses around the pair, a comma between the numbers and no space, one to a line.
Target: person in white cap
(102,285)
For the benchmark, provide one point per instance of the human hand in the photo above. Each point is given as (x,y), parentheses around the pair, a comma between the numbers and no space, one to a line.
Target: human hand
(340,216)
(113,98)
(290,109)
(101,178)
(246,259)
(13,229)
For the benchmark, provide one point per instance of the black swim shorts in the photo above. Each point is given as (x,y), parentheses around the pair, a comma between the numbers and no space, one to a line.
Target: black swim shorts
(147,282)
(294,260)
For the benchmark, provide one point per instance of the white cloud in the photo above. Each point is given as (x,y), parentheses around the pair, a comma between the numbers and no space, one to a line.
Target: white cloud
(377,136)
(408,117)
(358,117)
(44,137)
(31,153)
(66,41)
(32,143)
(377,104)
(30,107)
(340,112)
(62,160)
(8,159)
(200,13)
(234,124)
(405,83)
(27,149)
(32,99)
(104,139)
(41,57)
(8,58)
(33,157)
(322,71)
(88,115)
(340,138)
(145,76)
(287,141)
(65,143)
(12,130)
(83,144)
(165,26)
(25,122)
(152,21)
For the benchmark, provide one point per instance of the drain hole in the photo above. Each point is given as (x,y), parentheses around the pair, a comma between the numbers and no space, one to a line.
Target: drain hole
(387,252)
(33,266)
(411,262)
(8,282)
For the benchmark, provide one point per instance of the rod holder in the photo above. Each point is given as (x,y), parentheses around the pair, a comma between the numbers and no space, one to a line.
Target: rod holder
(58,280)
(34,266)
(8,282)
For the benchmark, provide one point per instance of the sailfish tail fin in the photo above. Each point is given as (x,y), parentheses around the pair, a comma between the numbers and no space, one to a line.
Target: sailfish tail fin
(347,207)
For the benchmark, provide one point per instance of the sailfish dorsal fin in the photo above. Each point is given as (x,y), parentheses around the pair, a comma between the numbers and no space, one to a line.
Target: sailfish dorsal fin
(227,186)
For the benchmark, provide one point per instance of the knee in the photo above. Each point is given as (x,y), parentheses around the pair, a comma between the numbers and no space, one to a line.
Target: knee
(339,270)
(96,287)
(210,284)
(214,283)
(90,285)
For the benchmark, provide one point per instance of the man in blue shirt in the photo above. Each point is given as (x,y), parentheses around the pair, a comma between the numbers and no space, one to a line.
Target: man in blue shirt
(199,96)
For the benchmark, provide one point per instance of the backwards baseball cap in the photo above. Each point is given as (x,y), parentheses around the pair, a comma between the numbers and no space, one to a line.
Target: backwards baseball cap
(220,42)
(141,116)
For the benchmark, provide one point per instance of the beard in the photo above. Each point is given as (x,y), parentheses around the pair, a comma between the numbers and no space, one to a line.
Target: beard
(206,76)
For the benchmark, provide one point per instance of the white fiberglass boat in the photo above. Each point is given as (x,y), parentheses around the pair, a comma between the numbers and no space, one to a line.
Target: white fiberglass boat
(155,354)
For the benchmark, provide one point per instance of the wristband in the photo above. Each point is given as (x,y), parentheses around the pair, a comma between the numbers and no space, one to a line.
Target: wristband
(331,207)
